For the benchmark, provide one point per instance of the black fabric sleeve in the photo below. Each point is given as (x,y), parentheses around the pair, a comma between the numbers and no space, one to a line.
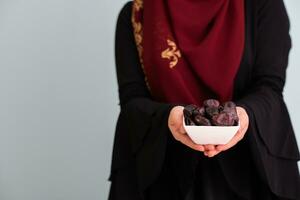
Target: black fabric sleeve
(265,98)
(142,131)
(273,140)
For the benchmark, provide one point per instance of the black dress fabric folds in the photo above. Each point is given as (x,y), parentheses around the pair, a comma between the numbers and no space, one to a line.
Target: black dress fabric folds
(148,164)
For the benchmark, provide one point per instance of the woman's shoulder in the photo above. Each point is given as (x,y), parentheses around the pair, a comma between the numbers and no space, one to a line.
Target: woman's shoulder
(262,6)
(272,12)
(126,10)
(259,4)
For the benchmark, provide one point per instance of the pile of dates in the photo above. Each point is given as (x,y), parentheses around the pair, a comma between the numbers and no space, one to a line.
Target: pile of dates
(212,113)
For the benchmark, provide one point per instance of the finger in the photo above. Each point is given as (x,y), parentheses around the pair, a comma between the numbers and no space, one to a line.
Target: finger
(243,127)
(212,153)
(185,139)
(209,147)
(181,130)
(180,127)
(228,145)
(177,115)
(231,143)
(206,153)
(241,133)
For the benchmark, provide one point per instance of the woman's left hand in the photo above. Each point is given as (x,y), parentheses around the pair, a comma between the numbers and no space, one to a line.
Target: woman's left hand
(212,150)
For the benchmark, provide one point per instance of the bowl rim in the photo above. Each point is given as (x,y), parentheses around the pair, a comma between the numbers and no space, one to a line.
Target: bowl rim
(196,126)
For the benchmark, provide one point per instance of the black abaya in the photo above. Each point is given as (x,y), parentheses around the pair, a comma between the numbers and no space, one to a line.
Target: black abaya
(148,163)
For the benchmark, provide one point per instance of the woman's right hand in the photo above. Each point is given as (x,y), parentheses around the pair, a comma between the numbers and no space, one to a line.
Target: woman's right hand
(175,123)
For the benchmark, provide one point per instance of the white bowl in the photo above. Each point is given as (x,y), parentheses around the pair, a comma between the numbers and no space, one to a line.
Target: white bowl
(211,134)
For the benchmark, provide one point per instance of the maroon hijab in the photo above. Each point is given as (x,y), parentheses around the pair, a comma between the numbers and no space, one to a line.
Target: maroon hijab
(190,50)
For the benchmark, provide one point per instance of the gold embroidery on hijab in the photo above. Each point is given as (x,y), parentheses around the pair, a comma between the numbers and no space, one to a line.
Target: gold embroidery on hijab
(172,53)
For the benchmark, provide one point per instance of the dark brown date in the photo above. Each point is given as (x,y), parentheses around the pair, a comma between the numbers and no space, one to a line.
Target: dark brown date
(201,121)
(223,119)
(189,110)
(189,122)
(229,105)
(230,108)
(211,103)
(212,113)
(199,111)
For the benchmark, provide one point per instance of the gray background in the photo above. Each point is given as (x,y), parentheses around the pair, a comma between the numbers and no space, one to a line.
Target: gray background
(58,96)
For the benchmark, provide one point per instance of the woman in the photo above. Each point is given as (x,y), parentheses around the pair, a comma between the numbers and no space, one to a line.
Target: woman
(171,54)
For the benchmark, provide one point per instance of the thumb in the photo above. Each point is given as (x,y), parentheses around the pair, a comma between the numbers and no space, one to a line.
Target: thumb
(181,129)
